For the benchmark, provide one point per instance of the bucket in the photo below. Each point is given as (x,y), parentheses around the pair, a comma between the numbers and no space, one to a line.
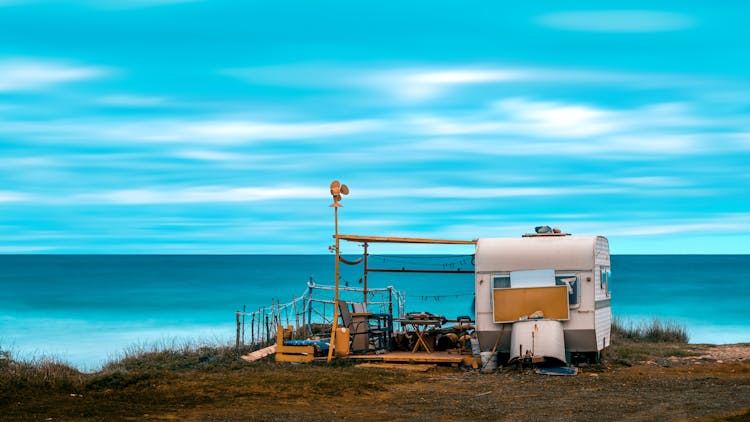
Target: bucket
(341,346)
(489,361)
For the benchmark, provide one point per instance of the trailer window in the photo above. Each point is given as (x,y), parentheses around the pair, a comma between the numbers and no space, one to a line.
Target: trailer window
(604,278)
(570,280)
(501,282)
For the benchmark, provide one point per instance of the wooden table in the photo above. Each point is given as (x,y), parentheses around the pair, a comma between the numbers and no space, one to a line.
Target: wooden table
(420,327)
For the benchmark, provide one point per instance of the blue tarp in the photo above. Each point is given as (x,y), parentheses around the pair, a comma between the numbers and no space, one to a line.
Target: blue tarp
(319,345)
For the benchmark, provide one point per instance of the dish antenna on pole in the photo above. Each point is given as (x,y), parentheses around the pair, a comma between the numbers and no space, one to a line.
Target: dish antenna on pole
(337,189)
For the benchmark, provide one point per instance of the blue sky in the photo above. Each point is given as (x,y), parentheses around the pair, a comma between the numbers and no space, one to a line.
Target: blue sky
(168,126)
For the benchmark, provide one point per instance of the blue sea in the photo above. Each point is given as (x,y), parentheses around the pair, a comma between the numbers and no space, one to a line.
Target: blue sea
(87,309)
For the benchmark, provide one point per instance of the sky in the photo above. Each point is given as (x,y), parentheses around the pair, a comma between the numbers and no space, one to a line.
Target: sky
(170,126)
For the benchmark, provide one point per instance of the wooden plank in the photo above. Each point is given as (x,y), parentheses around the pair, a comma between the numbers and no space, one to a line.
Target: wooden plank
(418,367)
(295,350)
(280,357)
(511,304)
(423,358)
(434,357)
(385,239)
(259,354)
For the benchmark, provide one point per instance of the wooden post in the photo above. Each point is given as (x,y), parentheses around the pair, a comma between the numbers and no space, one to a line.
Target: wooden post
(304,311)
(260,322)
(252,329)
(296,315)
(237,343)
(268,332)
(334,324)
(244,311)
(364,276)
(390,302)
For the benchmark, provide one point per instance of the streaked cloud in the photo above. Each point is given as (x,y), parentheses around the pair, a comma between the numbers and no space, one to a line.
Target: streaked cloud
(623,21)
(26,74)
(10,196)
(651,181)
(104,4)
(486,129)
(424,84)
(129,100)
(707,225)
(219,194)
(414,84)
(209,131)
(460,192)
(208,194)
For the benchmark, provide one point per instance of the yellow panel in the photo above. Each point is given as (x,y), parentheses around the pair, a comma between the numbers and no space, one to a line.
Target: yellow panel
(280,357)
(511,304)
(295,349)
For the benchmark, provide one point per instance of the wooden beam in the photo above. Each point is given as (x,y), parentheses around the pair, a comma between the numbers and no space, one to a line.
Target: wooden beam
(406,270)
(384,239)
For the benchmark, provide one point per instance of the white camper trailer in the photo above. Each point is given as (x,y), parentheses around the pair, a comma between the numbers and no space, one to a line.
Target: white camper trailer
(543,295)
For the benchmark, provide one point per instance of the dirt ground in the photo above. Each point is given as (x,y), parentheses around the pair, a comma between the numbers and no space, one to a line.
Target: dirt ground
(700,382)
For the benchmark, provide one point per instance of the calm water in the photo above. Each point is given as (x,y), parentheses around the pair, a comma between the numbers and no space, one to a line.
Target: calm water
(87,309)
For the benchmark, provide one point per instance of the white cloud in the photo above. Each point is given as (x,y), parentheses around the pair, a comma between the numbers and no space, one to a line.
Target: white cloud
(9,196)
(206,194)
(105,4)
(209,155)
(19,74)
(414,84)
(218,194)
(11,249)
(651,181)
(522,126)
(128,100)
(491,192)
(555,119)
(209,131)
(428,83)
(623,21)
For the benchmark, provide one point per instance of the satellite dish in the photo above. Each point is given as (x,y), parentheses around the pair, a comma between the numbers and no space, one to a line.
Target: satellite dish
(345,189)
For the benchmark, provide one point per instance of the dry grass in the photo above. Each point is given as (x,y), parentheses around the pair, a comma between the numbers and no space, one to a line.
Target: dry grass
(654,331)
(204,382)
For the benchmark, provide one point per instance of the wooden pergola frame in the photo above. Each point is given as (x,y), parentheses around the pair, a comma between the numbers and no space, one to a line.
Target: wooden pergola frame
(337,189)
(366,240)
(387,239)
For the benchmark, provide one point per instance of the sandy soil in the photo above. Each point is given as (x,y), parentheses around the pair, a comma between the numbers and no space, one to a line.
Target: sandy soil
(714,384)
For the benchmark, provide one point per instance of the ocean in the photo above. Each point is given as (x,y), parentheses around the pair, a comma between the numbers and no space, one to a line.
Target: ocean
(87,309)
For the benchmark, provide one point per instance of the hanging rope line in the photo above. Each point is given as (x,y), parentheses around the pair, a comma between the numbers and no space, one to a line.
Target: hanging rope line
(443,262)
